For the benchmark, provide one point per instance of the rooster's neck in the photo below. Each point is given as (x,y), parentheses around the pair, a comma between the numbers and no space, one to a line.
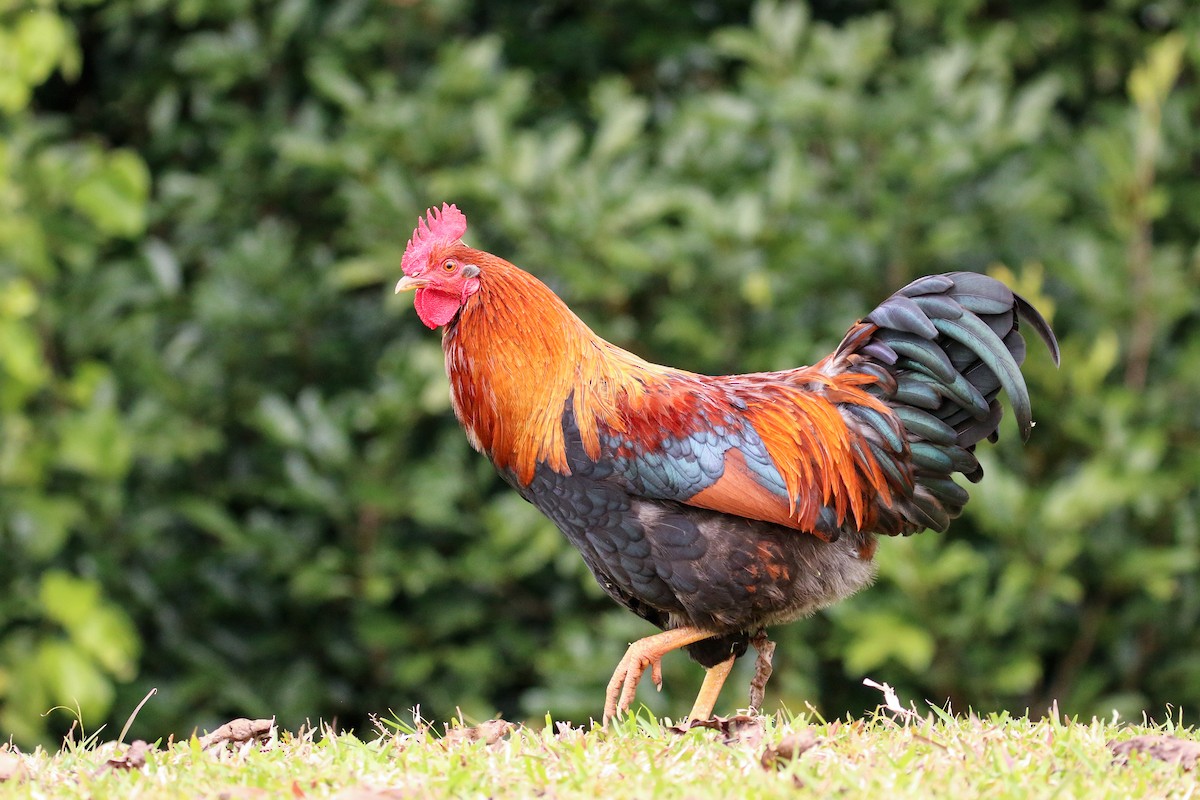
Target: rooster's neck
(515,356)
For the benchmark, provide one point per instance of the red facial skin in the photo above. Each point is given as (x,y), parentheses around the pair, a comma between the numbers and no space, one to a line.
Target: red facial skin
(443,285)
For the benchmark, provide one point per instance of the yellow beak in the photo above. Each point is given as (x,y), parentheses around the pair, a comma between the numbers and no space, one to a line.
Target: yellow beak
(407,284)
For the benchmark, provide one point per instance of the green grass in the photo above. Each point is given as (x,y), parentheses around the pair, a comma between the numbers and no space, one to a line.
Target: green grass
(934,756)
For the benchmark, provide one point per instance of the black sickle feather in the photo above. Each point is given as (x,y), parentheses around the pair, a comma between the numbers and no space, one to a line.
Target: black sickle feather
(947,345)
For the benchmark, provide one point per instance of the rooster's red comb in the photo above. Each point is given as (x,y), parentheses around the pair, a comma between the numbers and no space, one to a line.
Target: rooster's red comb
(446,227)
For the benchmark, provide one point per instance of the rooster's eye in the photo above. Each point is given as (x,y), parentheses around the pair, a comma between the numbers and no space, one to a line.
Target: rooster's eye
(450,265)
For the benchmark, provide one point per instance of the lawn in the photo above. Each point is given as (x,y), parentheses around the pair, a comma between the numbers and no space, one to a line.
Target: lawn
(893,753)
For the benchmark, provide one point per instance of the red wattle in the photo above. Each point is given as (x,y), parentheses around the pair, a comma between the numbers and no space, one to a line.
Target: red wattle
(435,308)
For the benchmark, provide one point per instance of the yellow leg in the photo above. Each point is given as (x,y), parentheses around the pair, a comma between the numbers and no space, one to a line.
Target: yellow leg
(714,679)
(647,654)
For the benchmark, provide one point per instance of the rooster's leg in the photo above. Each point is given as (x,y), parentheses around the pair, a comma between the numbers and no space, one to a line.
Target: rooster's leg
(642,655)
(714,679)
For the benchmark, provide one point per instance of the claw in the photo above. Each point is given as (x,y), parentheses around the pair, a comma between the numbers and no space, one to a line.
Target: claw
(644,654)
(622,687)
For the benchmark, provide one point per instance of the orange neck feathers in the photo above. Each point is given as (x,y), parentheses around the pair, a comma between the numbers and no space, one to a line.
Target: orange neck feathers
(516,354)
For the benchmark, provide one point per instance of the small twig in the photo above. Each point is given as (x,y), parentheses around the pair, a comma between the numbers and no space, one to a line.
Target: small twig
(890,701)
(238,731)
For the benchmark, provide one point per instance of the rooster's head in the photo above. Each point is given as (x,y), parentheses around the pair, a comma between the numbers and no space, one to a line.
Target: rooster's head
(436,264)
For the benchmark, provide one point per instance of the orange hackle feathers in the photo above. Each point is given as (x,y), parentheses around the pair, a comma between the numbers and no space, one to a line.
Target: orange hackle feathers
(514,359)
(813,447)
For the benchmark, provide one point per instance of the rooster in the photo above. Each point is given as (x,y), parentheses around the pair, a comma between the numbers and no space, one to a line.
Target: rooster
(714,507)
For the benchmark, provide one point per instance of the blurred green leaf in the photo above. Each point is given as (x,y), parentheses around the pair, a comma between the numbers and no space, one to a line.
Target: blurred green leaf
(114,196)
(73,681)
(877,638)
(97,632)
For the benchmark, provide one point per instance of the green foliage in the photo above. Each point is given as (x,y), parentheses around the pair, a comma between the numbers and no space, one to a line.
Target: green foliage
(32,45)
(228,468)
(65,446)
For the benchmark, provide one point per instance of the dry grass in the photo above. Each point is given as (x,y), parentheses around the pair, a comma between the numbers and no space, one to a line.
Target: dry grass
(931,756)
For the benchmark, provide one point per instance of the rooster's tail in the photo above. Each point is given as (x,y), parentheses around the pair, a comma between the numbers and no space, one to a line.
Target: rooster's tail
(941,349)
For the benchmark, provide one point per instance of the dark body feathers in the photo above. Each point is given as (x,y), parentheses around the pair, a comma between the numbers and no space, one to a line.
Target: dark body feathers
(676,565)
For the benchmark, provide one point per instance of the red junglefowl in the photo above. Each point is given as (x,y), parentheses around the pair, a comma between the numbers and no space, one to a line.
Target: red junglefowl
(716,506)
